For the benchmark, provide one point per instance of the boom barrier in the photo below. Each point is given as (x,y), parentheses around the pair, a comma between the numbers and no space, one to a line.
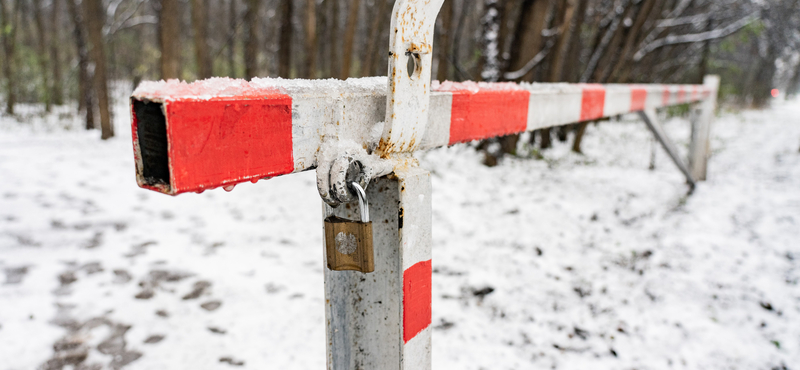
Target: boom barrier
(213,133)
(192,137)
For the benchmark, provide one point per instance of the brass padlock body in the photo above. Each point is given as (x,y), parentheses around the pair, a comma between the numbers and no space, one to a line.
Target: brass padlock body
(348,245)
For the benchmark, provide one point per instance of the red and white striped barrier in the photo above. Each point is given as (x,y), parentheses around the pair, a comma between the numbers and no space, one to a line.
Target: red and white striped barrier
(221,132)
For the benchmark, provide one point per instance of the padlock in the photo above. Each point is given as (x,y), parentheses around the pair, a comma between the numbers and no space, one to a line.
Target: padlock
(348,244)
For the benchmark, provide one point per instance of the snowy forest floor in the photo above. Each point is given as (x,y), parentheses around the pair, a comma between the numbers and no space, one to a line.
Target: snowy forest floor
(568,262)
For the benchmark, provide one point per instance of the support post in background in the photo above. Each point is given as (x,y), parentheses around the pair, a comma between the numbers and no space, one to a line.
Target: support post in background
(700,147)
(381,320)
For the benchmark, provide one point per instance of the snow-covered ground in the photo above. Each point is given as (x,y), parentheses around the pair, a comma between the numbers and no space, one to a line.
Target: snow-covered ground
(569,262)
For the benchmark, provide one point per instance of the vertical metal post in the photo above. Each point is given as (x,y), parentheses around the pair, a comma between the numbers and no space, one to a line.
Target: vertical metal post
(700,147)
(381,320)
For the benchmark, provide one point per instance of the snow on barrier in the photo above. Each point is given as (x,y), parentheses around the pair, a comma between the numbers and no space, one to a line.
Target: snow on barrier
(220,132)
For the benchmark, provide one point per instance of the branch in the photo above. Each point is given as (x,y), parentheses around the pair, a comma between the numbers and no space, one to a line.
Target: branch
(531,64)
(672,22)
(695,37)
(135,21)
(601,47)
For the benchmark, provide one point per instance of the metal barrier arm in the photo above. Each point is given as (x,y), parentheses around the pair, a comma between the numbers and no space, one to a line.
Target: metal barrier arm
(219,132)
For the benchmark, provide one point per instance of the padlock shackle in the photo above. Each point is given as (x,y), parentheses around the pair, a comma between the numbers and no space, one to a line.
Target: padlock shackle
(363,204)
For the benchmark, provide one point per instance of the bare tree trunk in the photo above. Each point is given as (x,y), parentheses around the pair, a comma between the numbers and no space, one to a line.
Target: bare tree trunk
(605,37)
(334,42)
(528,35)
(559,12)
(311,39)
(95,18)
(572,63)
(170,39)
(489,63)
(703,67)
(55,58)
(576,145)
(199,27)
(544,135)
(562,45)
(347,56)
(85,100)
(374,39)
(232,15)
(633,35)
(42,58)
(285,51)
(609,53)
(9,34)
(251,41)
(443,73)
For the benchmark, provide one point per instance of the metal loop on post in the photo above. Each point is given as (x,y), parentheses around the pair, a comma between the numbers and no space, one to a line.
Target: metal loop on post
(363,203)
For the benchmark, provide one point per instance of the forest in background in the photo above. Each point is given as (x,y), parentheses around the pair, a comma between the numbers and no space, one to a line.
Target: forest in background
(59,52)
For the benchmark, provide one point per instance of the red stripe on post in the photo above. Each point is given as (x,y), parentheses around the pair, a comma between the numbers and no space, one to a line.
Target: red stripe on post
(416,299)
(487,113)
(592,102)
(638,99)
(228,140)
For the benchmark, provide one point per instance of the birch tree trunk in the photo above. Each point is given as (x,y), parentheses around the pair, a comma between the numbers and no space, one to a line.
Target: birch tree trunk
(95,17)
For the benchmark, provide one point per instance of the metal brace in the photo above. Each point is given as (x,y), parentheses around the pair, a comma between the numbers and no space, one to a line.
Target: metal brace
(407,102)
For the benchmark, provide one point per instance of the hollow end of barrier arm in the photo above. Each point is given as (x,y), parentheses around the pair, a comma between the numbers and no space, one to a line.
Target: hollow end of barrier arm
(197,144)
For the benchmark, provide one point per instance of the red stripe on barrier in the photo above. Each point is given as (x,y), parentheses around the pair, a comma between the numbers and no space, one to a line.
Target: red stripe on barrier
(487,113)
(638,99)
(228,140)
(666,96)
(592,102)
(416,299)
(681,95)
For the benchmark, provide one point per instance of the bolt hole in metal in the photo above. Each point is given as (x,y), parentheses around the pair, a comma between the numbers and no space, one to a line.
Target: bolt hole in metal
(411,63)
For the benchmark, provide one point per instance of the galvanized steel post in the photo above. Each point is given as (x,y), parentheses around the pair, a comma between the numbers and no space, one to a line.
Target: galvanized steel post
(381,320)
(700,147)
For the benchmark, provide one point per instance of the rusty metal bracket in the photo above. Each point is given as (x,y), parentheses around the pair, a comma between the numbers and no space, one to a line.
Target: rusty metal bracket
(407,103)
(410,60)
